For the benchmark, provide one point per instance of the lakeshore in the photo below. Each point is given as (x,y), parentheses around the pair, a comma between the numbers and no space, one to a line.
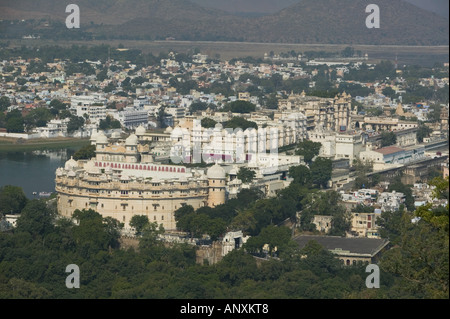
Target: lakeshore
(16,145)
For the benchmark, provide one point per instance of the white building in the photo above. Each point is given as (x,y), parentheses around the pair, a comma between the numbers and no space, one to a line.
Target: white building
(390,201)
(95,112)
(337,145)
(131,117)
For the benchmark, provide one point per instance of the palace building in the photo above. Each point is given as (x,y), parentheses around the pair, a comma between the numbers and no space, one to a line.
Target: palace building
(122,180)
(332,114)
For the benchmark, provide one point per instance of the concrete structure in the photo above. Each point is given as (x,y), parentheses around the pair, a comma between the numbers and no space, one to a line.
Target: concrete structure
(349,250)
(337,145)
(323,223)
(123,181)
(333,114)
(390,201)
(132,117)
(364,225)
(392,156)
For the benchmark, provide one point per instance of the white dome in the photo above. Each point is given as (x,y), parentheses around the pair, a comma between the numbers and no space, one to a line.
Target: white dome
(59,172)
(71,174)
(70,164)
(94,136)
(168,130)
(115,135)
(91,168)
(131,140)
(140,130)
(215,172)
(124,178)
(101,138)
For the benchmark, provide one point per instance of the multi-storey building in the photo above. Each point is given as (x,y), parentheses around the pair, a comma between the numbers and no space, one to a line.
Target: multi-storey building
(122,181)
(333,114)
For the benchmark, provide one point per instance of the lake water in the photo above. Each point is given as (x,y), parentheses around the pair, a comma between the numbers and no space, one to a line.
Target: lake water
(33,171)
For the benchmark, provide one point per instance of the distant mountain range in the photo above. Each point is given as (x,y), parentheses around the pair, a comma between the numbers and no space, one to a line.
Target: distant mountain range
(304,21)
(271,6)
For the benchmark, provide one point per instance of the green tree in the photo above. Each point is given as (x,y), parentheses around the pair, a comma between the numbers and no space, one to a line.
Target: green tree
(199,106)
(139,222)
(389,92)
(94,232)
(14,122)
(57,104)
(301,175)
(5,102)
(12,199)
(278,239)
(36,218)
(388,139)
(161,117)
(75,123)
(206,122)
(37,117)
(348,52)
(420,262)
(422,132)
(109,123)
(308,150)
(321,170)
(437,216)
(240,107)
(240,123)
(15,125)
(85,153)
(272,102)
(398,186)
(149,235)
(246,175)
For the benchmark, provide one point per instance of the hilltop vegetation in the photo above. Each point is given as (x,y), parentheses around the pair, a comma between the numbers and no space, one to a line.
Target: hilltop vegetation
(321,21)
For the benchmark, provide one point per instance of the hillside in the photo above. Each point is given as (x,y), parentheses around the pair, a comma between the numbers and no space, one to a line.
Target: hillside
(272,6)
(308,21)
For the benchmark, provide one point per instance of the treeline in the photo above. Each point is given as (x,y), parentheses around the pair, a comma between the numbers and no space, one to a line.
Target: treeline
(34,256)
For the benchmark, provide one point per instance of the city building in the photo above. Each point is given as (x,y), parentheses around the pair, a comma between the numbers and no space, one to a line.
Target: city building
(123,181)
(350,250)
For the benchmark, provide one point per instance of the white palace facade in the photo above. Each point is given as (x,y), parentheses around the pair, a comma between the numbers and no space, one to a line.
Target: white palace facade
(122,181)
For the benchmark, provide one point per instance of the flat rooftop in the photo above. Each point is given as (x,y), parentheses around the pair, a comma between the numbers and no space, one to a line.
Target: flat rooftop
(355,245)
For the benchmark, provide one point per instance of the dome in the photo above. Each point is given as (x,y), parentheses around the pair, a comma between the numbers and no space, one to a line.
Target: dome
(140,130)
(216,172)
(101,138)
(71,174)
(131,140)
(168,130)
(94,136)
(124,178)
(115,135)
(91,168)
(59,172)
(70,164)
